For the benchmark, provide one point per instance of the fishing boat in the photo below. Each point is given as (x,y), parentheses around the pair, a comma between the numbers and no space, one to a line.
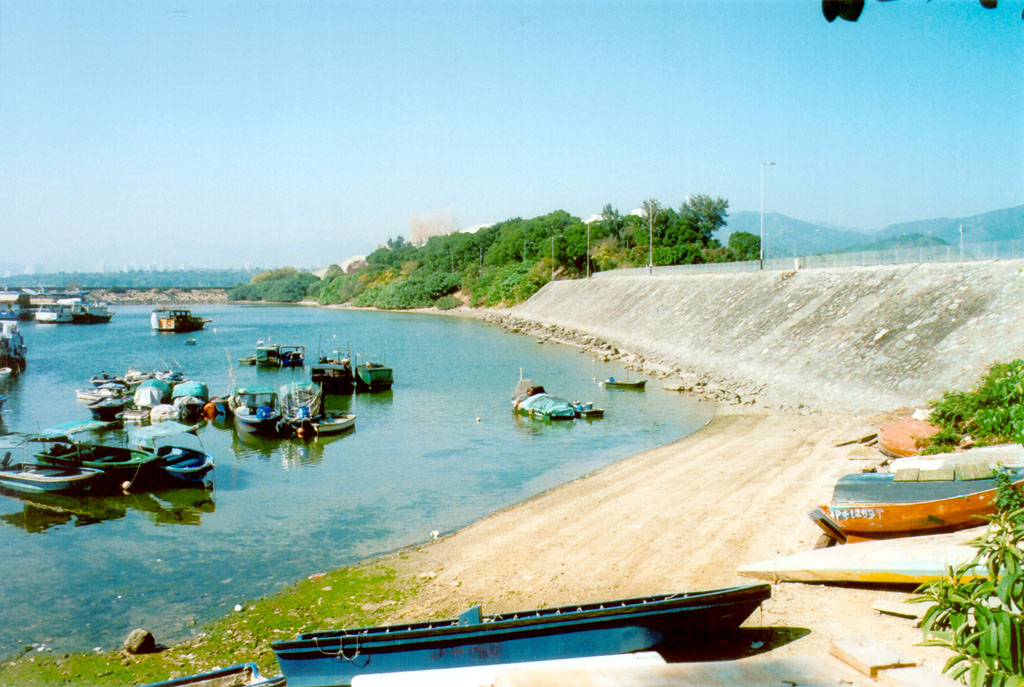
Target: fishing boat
(180,453)
(372,377)
(36,479)
(333,374)
(533,401)
(908,560)
(335,657)
(54,313)
(255,409)
(96,393)
(12,347)
(276,355)
(300,405)
(119,464)
(107,409)
(240,675)
(176,320)
(910,502)
(150,393)
(333,423)
(190,397)
(635,385)
(586,410)
(87,312)
(106,378)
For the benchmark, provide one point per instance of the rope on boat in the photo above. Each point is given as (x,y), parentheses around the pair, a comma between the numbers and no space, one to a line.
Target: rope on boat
(340,653)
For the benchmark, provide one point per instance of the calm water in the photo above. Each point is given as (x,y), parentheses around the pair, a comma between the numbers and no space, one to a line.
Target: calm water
(83,572)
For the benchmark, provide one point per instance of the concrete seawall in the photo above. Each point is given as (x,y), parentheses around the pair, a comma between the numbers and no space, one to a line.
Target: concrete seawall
(850,339)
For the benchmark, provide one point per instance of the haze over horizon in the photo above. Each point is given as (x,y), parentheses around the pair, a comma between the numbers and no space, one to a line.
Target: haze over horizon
(134,132)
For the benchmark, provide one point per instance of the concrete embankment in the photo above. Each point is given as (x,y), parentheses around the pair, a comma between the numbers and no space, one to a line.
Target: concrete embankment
(845,339)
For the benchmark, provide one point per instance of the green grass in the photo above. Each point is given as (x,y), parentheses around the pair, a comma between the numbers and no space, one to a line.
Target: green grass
(356,596)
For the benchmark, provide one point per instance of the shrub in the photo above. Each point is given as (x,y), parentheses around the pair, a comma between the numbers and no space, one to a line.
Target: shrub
(993,413)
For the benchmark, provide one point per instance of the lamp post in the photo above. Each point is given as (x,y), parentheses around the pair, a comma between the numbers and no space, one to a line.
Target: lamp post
(763,165)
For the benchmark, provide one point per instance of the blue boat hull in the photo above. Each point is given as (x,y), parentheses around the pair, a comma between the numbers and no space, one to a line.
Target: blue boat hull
(241,675)
(329,659)
(265,426)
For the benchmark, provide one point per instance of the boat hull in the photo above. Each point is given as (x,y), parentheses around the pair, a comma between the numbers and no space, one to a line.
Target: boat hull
(323,659)
(877,506)
(334,424)
(370,378)
(254,424)
(241,675)
(44,479)
(638,385)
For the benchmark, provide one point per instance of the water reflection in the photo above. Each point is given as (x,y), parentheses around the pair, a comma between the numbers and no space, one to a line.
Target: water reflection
(43,512)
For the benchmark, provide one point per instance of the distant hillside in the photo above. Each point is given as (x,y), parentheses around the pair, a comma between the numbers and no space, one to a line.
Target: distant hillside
(997,225)
(785,235)
(131,279)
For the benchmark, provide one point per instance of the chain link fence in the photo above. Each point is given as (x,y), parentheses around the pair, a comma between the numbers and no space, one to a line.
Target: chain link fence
(992,250)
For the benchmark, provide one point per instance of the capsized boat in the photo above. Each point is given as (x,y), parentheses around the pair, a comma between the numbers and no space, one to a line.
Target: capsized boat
(908,560)
(240,675)
(910,502)
(335,657)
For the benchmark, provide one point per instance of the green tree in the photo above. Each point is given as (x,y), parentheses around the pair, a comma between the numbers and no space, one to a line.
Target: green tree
(744,245)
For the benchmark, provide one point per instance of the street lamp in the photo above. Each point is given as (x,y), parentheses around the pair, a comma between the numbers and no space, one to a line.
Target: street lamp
(763,165)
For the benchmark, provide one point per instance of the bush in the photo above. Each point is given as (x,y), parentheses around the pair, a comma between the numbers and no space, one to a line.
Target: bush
(992,414)
(447,303)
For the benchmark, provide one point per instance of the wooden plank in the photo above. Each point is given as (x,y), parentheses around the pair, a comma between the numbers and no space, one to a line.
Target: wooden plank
(915,677)
(936,475)
(907,475)
(868,655)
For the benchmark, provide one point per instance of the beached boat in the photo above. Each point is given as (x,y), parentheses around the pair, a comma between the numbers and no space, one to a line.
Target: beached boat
(899,439)
(533,401)
(910,502)
(176,320)
(372,377)
(255,409)
(635,385)
(34,478)
(333,374)
(333,423)
(908,560)
(12,347)
(180,453)
(241,675)
(335,657)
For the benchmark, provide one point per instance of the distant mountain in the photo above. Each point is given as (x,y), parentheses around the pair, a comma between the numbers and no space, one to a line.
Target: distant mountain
(785,235)
(997,225)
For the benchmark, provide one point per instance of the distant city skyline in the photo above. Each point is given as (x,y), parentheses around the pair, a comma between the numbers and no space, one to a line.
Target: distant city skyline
(134,129)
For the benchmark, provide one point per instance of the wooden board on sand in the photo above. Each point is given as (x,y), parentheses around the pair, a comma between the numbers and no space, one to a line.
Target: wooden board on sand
(909,560)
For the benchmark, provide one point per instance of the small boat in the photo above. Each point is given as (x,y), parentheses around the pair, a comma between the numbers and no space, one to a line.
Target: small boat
(164,412)
(87,312)
(176,320)
(179,452)
(97,393)
(333,423)
(135,377)
(151,392)
(255,409)
(636,384)
(54,313)
(119,464)
(108,408)
(533,401)
(135,416)
(5,372)
(105,378)
(373,377)
(241,675)
(190,397)
(335,657)
(300,406)
(275,355)
(586,410)
(12,347)
(190,342)
(334,374)
(910,502)
(899,439)
(247,360)
(34,478)
(909,560)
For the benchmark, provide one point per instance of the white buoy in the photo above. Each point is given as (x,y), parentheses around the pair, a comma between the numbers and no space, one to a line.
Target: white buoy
(126,485)
(239,608)
(479,420)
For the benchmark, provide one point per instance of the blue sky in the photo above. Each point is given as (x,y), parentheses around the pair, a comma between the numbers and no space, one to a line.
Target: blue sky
(130,127)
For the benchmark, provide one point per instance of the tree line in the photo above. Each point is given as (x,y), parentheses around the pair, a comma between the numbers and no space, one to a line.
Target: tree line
(508,262)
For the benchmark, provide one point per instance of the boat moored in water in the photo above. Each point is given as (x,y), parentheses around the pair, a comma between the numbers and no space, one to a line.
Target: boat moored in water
(533,401)
(635,385)
(255,409)
(372,377)
(176,320)
(12,347)
(668,621)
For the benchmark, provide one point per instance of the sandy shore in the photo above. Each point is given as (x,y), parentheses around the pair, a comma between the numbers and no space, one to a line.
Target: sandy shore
(679,517)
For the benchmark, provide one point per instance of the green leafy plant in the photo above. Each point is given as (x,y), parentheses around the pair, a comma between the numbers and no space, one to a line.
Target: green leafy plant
(977,607)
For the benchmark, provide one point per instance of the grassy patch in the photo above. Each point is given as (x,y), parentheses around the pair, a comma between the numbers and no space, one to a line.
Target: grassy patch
(356,596)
